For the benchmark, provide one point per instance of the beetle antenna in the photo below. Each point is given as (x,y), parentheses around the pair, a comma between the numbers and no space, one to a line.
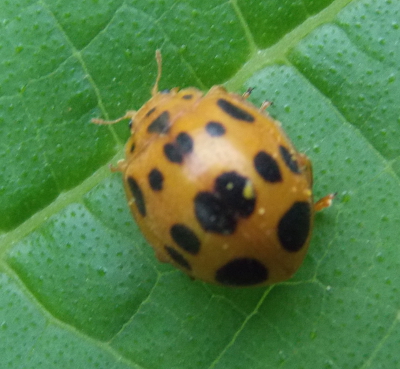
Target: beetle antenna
(154,90)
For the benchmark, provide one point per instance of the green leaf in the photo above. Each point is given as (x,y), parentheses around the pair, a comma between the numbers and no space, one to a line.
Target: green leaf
(80,287)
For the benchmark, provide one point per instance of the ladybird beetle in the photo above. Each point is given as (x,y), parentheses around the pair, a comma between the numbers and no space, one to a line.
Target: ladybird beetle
(216,186)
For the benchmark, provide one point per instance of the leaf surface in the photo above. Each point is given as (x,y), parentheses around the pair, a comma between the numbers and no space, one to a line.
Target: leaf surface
(80,287)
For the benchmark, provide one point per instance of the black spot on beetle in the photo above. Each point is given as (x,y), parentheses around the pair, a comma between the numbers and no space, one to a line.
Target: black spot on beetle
(156,179)
(242,272)
(215,129)
(294,227)
(185,143)
(289,159)
(132,148)
(177,257)
(173,153)
(230,187)
(187,96)
(267,167)
(185,238)
(213,214)
(232,198)
(151,111)
(161,124)
(137,195)
(234,111)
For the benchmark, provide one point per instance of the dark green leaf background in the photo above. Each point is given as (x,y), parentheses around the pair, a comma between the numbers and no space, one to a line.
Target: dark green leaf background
(79,286)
